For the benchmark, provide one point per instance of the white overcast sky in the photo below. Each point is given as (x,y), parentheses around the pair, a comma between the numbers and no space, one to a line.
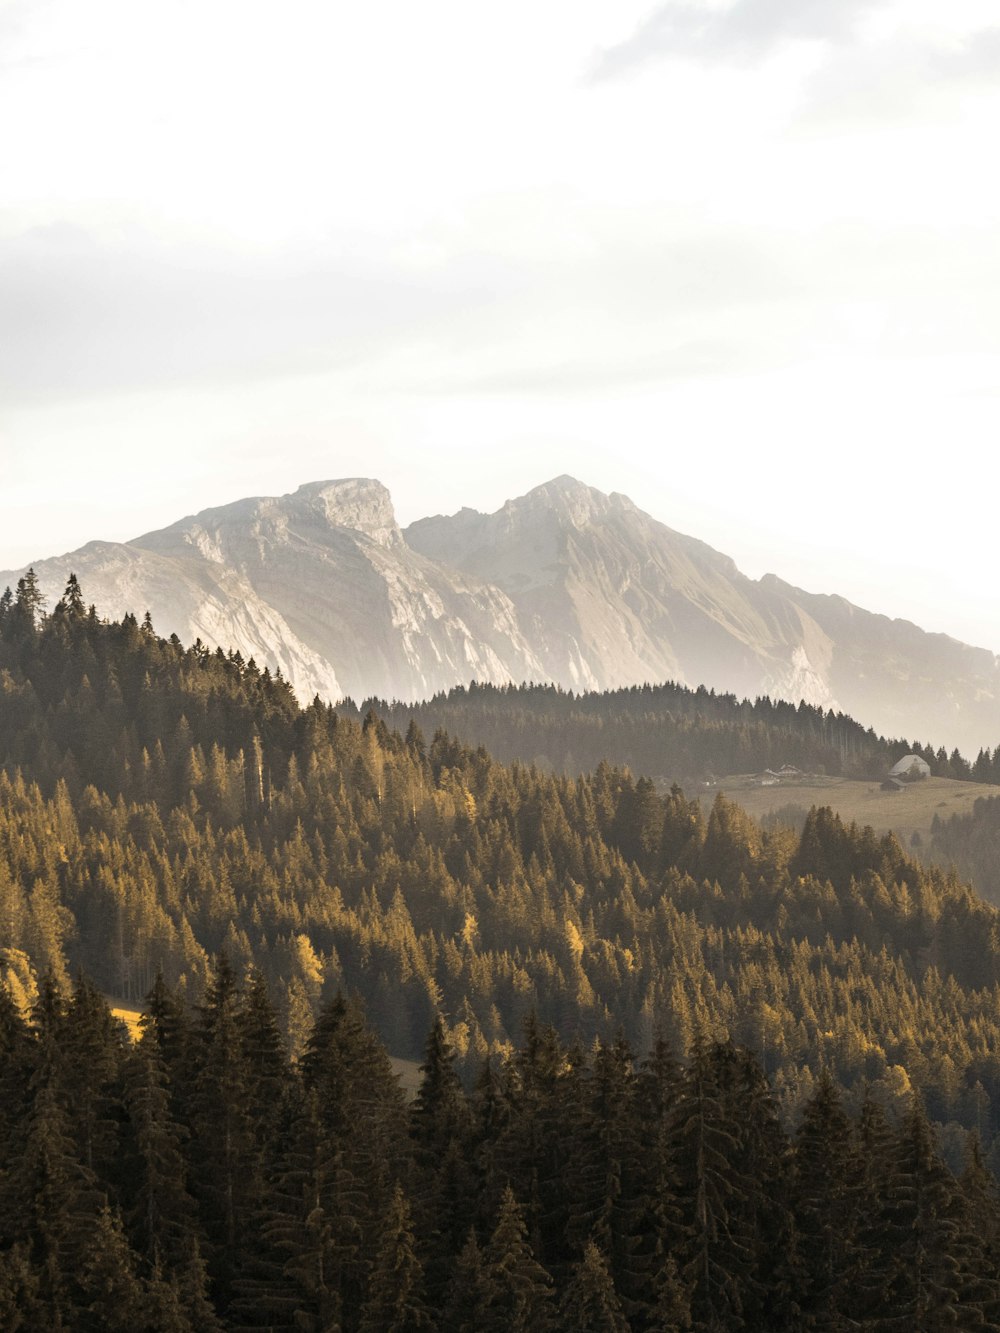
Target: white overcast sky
(739,260)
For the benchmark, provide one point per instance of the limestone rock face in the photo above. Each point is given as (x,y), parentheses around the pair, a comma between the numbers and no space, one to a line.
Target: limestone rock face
(564,584)
(320,584)
(610,597)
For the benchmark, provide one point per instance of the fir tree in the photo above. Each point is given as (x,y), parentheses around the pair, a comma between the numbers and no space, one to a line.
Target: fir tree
(519,1291)
(395,1303)
(590,1303)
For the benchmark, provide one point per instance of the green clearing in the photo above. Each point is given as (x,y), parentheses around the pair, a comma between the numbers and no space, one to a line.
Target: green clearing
(904,813)
(128,1015)
(408,1073)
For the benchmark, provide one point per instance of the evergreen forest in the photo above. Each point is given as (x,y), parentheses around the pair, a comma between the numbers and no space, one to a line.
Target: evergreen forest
(198,1181)
(682,1071)
(972,843)
(666,731)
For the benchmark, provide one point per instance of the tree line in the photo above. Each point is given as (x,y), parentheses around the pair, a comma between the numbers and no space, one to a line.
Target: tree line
(667,731)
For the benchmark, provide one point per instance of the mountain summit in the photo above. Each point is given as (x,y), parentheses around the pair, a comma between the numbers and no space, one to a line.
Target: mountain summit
(563,584)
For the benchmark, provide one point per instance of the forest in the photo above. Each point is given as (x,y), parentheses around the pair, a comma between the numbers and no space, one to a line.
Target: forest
(176,831)
(199,1181)
(971,842)
(666,731)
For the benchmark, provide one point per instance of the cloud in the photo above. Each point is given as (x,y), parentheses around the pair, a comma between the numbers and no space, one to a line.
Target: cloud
(83,315)
(909,78)
(747,31)
(976,56)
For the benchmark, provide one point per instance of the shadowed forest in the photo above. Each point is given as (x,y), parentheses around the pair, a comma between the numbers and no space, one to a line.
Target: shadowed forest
(198,1181)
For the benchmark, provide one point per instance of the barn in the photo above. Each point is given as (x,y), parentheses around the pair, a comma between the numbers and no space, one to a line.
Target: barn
(911,766)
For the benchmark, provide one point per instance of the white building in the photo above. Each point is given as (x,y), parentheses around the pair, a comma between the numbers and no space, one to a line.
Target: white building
(911,766)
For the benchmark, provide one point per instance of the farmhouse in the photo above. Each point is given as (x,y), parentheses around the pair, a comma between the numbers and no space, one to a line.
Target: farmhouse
(910,767)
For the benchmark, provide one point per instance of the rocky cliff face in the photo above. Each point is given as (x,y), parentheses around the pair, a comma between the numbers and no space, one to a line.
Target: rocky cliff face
(609,597)
(563,584)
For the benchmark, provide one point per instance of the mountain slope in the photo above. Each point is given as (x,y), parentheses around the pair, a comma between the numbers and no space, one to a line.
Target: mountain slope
(610,597)
(897,673)
(564,584)
(319,583)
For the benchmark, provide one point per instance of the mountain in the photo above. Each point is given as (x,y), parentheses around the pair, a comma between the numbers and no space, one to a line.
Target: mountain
(610,597)
(564,584)
(320,584)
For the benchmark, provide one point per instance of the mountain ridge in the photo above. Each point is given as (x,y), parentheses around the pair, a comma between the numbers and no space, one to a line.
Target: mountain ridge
(564,584)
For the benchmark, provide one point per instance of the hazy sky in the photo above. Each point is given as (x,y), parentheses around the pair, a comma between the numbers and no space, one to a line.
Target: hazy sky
(738,260)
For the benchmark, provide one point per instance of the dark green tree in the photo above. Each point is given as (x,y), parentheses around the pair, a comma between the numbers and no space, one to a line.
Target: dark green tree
(395,1303)
(590,1304)
(519,1290)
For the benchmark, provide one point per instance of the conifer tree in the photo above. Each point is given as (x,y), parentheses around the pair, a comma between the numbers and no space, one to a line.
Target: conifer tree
(314,1246)
(470,1290)
(441,1130)
(395,1303)
(926,1280)
(15,1068)
(347,1071)
(659,1230)
(222,1148)
(590,1303)
(29,600)
(162,1219)
(824,1206)
(56,1199)
(21,1310)
(708,1139)
(519,1290)
(112,1298)
(93,1050)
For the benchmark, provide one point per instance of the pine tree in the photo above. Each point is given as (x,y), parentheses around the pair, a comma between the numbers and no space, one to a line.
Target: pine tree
(223,1158)
(395,1303)
(707,1140)
(519,1290)
(112,1298)
(470,1290)
(590,1303)
(824,1208)
(441,1129)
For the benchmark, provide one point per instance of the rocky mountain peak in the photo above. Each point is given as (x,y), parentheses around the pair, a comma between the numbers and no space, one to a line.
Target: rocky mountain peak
(361,504)
(568,500)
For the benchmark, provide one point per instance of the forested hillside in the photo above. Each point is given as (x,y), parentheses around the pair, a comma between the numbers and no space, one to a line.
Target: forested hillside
(972,843)
(198,1182)
(160,803)
(665,731)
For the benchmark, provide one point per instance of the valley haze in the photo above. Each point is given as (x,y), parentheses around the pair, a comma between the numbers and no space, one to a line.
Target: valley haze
(565,584)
